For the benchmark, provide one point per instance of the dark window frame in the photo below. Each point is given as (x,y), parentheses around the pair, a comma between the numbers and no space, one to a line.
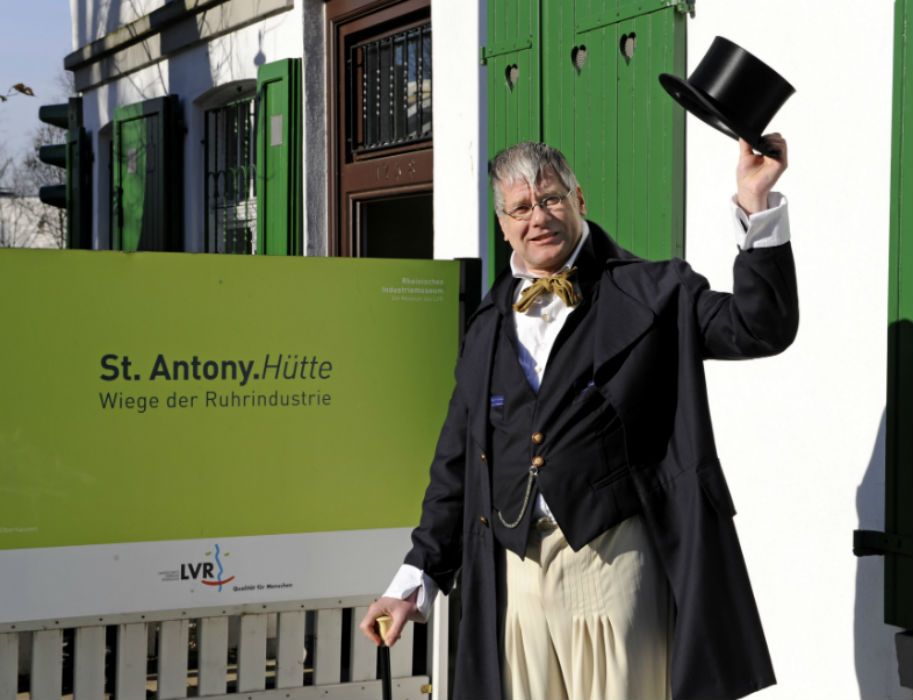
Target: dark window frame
(360,119)
(392,170)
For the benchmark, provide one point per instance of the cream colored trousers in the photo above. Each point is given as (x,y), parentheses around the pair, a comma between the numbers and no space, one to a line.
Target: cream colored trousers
(587,625)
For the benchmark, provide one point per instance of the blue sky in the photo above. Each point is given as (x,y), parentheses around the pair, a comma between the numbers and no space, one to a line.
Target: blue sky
(35,36)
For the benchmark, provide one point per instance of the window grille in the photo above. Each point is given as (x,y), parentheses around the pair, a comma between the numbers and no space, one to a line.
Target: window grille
(390,89)
(231,202)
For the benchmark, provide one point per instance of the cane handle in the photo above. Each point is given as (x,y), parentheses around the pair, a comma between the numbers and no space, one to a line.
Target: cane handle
(383,624)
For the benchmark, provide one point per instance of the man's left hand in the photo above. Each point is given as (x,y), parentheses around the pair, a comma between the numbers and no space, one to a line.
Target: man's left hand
(757,174)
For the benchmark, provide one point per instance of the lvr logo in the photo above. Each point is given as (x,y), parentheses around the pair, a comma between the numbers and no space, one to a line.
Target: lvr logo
(209,573)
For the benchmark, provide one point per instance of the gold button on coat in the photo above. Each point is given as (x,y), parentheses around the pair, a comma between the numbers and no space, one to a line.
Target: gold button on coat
(538,438)
(538,461)
(483,520)
(483,457)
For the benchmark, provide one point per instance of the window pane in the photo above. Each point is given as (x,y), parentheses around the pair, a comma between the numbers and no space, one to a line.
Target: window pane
(396,227)
(231,216)
(412,86)
(371,112)
(395,89)
(399,88)
(426,81)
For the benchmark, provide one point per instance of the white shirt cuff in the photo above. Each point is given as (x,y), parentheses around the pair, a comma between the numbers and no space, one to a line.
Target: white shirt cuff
(764,229)
(408,579)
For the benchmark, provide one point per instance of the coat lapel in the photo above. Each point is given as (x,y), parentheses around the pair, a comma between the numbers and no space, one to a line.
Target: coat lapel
(621,320)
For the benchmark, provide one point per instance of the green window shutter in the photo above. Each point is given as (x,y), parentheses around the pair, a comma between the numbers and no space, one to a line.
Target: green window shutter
(595,153)
(630,135)
(895,544)
(279,178)
(591,14)
(558,72)
(898,609)
(147,176)
(514,112)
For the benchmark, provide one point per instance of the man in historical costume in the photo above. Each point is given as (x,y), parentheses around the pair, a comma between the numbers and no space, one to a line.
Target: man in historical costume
(575,483)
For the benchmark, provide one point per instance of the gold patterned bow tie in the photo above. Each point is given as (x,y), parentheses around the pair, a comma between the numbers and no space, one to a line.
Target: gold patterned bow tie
(559,284)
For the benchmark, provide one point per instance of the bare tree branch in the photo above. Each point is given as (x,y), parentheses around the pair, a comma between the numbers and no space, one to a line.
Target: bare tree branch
(17,89)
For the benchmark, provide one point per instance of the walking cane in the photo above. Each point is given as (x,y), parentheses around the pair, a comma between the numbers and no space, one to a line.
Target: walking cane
(383,624)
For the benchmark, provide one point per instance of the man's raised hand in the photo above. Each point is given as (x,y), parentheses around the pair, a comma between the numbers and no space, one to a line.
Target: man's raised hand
(757,174)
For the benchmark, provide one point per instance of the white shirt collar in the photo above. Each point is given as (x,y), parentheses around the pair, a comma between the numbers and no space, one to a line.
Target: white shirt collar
(518,267)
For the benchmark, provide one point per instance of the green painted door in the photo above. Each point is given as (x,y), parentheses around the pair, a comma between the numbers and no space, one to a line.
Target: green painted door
(279,179)
(146,171)
(514,113)
(559,51)
(629,148)
(598,99)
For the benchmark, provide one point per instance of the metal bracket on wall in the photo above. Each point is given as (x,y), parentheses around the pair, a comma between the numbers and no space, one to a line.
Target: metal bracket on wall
(504,47)
(683,6)
(868,543)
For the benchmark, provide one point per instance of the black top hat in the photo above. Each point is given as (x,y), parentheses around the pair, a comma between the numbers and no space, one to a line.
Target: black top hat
(732,91)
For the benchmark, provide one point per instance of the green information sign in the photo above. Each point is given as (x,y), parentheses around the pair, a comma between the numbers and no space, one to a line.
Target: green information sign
(155,396)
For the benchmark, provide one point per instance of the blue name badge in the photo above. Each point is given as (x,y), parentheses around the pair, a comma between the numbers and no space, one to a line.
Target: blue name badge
(497,400)
(587,388)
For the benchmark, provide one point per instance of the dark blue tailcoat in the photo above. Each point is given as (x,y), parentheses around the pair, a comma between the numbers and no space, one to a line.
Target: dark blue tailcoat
(656,324)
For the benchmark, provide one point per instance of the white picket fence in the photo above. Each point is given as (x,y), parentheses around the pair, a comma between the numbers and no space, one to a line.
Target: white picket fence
(299,650)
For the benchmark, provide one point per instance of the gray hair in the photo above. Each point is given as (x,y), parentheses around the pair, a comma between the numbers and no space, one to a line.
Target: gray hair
(528,161)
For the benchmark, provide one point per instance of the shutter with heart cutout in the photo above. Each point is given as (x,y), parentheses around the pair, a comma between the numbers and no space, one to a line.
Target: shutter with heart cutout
(514,103)
(629,148)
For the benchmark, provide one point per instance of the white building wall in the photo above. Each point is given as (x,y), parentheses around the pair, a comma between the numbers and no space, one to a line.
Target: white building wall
(192,74)
(93,19)
(801,436)
(460,148)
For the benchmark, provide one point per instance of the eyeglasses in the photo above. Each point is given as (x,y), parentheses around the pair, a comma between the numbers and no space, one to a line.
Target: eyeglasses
(524,212)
